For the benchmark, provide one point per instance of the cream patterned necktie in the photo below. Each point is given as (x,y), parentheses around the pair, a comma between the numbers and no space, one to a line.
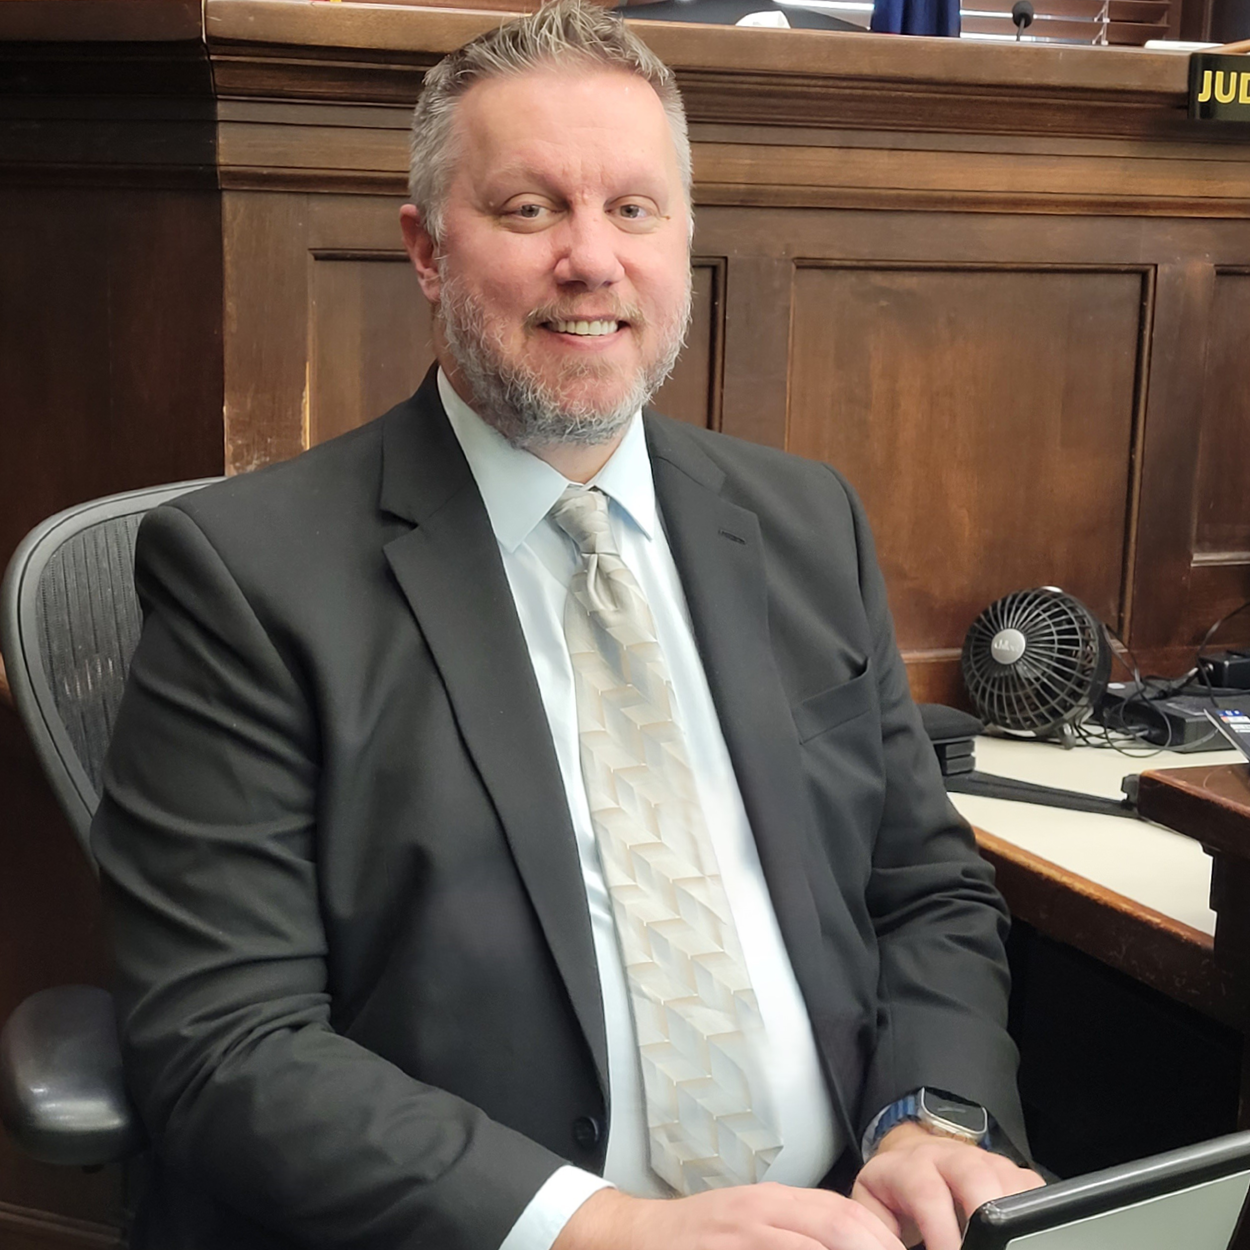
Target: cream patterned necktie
(692,1000)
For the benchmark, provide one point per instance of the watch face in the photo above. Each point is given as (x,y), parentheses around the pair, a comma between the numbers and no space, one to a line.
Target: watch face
(965,1117)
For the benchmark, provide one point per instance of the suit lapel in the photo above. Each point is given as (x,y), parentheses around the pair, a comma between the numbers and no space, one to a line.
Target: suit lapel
(451,573)
(717,548)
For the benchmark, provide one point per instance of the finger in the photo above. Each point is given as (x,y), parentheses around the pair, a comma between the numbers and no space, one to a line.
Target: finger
(864,1197)
(882,1224)
(1015,1179)
(972,1178)
(830,1220)
(976,1177)
(931,1208)
(851,1238)
(919,1197)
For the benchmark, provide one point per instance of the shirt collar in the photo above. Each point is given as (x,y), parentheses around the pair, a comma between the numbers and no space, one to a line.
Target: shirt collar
(519,489)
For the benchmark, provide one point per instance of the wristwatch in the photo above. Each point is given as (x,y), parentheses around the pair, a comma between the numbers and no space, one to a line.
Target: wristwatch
(942,1113)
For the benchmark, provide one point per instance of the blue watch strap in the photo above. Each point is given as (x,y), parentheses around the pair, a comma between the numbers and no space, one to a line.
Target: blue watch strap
(898,1112)
(911,1108)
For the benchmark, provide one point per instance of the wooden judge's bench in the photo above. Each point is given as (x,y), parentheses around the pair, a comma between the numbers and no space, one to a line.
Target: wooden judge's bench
(1005,288)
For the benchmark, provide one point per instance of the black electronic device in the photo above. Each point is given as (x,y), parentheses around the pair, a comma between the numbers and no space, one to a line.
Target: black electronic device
(1177,722)
(1229,669)
(1188,1199)
(952,733)
(1035,661)
(1234,724)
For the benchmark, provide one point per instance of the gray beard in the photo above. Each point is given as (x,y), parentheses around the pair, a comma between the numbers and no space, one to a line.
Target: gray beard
(519,404)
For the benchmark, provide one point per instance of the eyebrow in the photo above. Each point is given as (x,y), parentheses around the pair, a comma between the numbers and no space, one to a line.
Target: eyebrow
(652,183)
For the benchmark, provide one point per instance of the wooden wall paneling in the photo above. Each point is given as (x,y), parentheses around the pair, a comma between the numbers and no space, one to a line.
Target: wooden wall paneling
(757,295)
(269,48)
(694,393)
(369,338)
(266,331)
(1161,613)
(284,145)
(1171,256)
(110,345)
(986,416)
(1222,517)
(108,21)
(1220,576)
(1071,177)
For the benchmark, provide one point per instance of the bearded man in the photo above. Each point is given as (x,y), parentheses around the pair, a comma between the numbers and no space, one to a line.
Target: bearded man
(518,831)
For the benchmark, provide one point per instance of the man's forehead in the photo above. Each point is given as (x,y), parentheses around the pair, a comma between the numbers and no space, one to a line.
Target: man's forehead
(499,118)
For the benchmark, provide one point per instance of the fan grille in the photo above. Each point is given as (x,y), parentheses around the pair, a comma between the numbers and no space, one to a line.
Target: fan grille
(1053,682)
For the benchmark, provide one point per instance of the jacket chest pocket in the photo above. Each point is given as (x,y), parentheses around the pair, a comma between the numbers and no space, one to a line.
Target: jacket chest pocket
(836,706)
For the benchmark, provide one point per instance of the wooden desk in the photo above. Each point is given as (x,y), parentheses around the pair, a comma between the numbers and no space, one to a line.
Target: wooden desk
(1134,895)
(1111,1070)
(1211,804)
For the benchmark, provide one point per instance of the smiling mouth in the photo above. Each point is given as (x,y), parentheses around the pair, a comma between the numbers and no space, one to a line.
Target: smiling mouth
(584,329)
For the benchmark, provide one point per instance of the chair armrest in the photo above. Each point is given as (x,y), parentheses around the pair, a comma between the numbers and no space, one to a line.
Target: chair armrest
(62,1095)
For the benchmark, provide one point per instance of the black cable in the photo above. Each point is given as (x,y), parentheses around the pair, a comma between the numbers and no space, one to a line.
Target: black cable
(1148,690)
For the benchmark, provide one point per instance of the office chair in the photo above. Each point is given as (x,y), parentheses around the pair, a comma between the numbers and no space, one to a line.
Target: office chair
(69,623)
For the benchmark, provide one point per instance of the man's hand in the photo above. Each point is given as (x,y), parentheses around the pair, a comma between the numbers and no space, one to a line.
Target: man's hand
(746,1217)
(924,1187)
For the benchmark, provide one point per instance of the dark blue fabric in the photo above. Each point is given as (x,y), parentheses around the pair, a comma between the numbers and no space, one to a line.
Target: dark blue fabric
(916,17)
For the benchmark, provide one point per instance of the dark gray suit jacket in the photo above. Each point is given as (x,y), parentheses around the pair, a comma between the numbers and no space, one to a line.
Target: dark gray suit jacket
(357,986)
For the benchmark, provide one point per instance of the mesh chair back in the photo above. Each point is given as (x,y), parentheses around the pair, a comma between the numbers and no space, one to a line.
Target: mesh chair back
(69,623)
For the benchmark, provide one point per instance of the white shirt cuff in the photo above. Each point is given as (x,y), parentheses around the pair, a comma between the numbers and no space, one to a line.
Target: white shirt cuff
(551,1208)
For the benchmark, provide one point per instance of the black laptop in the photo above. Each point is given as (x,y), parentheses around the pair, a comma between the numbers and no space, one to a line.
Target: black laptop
(1188,1199)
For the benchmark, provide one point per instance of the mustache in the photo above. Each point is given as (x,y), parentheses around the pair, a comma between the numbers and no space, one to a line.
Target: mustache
(559,310)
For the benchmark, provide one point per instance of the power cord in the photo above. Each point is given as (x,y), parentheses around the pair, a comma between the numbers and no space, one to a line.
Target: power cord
(1117,734)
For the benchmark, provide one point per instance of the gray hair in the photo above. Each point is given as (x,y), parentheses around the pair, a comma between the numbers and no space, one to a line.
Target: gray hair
(577,33)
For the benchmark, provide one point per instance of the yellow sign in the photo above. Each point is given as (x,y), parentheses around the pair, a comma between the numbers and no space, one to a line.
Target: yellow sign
(1219,87)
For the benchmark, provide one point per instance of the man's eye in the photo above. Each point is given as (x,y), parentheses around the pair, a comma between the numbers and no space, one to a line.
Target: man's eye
(634,212)
(528,212)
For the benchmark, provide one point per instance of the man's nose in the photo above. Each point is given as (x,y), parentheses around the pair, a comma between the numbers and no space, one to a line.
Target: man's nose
(588,254)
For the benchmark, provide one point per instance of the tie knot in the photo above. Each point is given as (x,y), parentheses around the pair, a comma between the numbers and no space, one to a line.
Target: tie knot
(583,516)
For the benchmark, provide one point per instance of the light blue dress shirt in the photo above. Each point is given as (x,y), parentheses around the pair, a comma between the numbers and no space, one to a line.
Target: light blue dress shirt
(519,490)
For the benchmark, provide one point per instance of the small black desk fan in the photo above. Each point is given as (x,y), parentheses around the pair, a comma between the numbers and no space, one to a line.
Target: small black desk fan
(1034,663)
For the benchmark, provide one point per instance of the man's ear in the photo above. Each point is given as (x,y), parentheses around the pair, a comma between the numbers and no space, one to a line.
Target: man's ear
(421,251)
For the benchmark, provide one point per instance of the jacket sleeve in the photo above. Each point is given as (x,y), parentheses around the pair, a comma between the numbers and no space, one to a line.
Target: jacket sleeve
(939,921)
(206,838)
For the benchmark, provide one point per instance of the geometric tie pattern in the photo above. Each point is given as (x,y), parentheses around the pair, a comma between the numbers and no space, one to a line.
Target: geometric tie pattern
(693,1006)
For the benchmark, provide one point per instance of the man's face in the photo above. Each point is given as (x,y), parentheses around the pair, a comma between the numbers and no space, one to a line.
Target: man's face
(562,288)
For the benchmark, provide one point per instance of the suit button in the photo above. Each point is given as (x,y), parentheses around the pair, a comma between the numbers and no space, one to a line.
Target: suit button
(587,1132)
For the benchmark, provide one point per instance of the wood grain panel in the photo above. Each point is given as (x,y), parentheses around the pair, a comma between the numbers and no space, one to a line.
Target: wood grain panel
(267,48)
(987,417)
(1222,520)
(1049,182)
(266,327)
(1154,949)
(369,335)
(693,393)
(1163,611)
(110,346)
